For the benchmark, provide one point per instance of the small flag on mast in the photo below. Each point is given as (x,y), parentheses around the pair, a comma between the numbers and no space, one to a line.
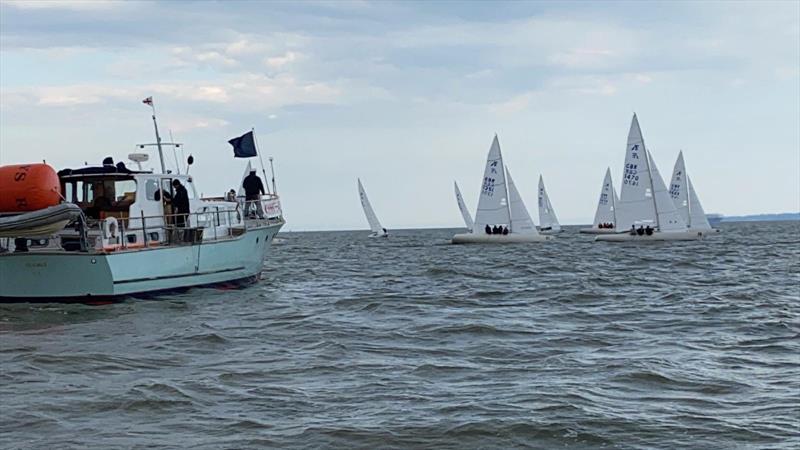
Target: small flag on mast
(148,101)
(244,146)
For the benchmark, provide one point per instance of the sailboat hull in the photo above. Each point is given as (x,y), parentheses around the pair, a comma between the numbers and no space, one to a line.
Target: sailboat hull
(472,238)
(658,236)
(597,231)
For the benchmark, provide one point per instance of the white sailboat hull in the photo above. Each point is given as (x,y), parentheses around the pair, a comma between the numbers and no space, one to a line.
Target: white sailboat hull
(552,232)
(472,238)
(597,231)
(379,235)
(657,236)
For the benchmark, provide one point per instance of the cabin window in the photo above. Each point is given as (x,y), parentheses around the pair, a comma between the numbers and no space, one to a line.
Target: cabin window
(125,192)
(150,189)
(69,192)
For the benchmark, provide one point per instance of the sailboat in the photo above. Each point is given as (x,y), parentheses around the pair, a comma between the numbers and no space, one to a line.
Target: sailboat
(644,199)
(500,205)
(374,224)
(463,208)
(686,201)
(606,213)
(548,222)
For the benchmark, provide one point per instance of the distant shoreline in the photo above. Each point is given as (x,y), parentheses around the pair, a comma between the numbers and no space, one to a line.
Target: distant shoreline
(762,218)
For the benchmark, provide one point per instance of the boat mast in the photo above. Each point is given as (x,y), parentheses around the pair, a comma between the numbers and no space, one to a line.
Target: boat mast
(688,197)
(505,188)
(652,187)
(158,137)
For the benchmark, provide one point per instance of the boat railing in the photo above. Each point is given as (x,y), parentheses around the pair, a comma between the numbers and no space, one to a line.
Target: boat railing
(270,205)
(213,223)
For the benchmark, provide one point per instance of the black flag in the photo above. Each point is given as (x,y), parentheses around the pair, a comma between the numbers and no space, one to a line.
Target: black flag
(244,146)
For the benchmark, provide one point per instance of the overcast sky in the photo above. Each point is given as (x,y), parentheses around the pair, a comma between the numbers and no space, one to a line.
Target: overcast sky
(408,96)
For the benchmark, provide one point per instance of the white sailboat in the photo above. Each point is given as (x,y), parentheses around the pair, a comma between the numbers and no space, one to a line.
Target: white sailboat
(606,209)
(374,224)
(499,205)
(463,208)
(644,199)
(686,201)
(548,222)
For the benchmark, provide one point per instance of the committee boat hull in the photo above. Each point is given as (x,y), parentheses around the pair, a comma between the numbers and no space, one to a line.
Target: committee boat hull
(46,276)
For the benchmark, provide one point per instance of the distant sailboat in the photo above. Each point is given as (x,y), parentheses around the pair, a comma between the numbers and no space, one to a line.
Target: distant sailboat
(548,222)
(686,201)
(644,199)
(463,208)
(374,224)
(499,205)
(606,209)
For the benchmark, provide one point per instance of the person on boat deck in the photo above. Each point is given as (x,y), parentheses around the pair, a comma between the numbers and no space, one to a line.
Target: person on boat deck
(384,231)
(648,231)
(252,188)
(180,203)
(230,196)
(487,229)
(633,230)
(640,230)
(505,231)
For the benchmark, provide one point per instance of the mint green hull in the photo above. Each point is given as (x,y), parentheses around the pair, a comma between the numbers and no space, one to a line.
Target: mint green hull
(43,275)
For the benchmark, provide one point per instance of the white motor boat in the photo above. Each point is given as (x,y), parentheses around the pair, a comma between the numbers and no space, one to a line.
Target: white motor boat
(126,239)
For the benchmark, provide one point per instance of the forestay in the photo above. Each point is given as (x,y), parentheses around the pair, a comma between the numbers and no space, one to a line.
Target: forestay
(374,224)
(493,200)
(606,205)
(683,195)
(547,215)
(521,222)
(463,208)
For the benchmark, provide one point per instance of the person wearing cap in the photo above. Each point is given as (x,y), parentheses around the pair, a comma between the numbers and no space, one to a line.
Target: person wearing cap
(253,189)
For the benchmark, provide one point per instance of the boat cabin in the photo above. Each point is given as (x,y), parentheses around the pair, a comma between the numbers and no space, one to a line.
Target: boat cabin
(134,206)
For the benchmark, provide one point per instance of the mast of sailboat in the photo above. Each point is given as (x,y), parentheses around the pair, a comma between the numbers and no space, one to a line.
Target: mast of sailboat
(649,171)
(505,187)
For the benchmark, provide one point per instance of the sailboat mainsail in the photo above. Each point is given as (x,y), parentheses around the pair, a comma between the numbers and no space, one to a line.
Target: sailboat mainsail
(493,200)
(463,208)
(374,224)
(606,205)
(521,222)
(547,215)
(636,203)
(685,198)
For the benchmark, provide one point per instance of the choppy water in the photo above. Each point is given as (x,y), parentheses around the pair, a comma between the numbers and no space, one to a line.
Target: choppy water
(409,342)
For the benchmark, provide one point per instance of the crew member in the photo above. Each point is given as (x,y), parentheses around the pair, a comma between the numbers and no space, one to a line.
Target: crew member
(180,203)
(253,189)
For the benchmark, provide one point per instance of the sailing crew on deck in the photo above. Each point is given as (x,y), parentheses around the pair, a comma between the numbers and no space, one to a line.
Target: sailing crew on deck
(487,229)
(252,188)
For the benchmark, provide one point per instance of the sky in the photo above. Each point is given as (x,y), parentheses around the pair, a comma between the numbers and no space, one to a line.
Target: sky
(408,96)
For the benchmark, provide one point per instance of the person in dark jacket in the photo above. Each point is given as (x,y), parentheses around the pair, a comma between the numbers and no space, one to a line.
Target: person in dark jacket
(253,189)
(180,202)
(487,229)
